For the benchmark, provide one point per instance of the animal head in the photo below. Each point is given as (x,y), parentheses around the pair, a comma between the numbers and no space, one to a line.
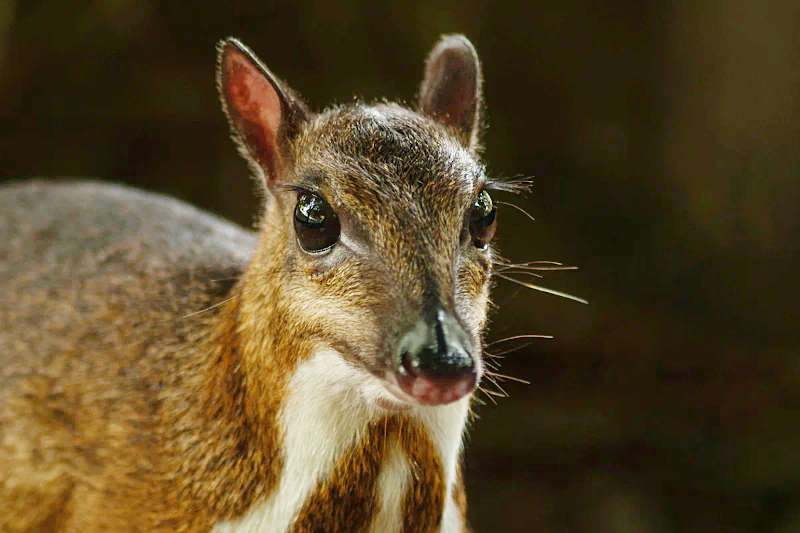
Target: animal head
(378,222)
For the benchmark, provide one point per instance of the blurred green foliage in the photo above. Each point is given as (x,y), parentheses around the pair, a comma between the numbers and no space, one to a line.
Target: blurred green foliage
(663,138)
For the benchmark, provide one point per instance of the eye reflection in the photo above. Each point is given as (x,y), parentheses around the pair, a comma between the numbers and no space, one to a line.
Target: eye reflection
(483,220)
(315,223)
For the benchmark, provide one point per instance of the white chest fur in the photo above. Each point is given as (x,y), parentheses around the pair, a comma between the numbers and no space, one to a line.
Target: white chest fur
(328,407)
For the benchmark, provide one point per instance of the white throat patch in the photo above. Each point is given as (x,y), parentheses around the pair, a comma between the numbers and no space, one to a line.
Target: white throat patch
(328,406)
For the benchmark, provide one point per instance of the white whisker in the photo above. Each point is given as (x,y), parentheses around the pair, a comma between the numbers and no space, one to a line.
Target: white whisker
(543,289)
(518,208)
(209,308)
(522,266)
(515,337)
(510,271)
(556,263)
(510,378)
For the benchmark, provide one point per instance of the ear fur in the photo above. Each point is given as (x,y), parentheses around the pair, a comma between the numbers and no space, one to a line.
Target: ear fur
(263,113)
(450,92)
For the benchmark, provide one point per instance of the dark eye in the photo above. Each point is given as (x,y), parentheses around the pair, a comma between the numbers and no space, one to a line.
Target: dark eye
(482,220)
(315,223)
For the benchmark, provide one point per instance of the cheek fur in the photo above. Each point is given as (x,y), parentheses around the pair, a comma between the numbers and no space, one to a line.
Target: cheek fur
(342,307)
(472,295)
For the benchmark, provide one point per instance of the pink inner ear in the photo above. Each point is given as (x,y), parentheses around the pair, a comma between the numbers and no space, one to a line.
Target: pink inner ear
(254,107)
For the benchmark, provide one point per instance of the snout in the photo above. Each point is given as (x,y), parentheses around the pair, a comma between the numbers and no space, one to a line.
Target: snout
(435,363)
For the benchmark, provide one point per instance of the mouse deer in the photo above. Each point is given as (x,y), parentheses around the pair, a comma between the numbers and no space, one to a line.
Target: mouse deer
(165,370)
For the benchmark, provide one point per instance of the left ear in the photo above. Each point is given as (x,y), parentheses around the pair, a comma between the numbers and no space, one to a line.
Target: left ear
(451,89)
(264,113)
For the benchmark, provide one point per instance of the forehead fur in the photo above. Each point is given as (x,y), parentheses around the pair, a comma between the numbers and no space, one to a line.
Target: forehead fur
(387,148)
(403,177)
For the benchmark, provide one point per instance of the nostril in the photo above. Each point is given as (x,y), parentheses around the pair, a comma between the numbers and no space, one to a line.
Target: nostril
(450,365)
(441,366)
(409,364)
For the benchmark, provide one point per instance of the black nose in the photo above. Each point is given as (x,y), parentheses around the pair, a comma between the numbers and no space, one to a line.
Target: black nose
(436,365)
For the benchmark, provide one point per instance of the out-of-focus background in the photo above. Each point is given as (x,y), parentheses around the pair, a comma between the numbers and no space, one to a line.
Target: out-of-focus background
(665,143)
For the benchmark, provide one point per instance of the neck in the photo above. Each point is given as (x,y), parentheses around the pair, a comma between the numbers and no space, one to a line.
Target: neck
(342,462)
(327,453)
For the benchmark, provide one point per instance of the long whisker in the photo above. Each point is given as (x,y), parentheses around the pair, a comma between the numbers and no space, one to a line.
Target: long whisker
(499,355)
(515,337)
(556,263)
(504,262)
(518,208)
(501,392)
(521,273)
(479,402)
(543,289)
(522,266)
(495,394)
(209,308)
(489,396)
(510,378)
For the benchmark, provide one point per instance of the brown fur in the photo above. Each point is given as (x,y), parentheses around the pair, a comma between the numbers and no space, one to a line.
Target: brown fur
(425,498)
(137,393)
(345,501)
(460,496)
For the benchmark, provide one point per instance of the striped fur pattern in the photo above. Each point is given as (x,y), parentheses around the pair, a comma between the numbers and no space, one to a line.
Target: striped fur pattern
(373,471)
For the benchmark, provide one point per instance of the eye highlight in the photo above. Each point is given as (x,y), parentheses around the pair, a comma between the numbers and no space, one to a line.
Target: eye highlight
(315,223)
(482,220)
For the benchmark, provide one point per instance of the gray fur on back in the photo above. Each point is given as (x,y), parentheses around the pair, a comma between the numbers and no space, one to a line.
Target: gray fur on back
(70,249)
(45,224)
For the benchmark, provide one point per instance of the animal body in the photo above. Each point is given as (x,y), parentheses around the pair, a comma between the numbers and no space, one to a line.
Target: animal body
(164,370)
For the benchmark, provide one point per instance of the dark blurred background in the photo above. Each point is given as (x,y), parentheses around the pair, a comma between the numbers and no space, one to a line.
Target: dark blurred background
(663,138)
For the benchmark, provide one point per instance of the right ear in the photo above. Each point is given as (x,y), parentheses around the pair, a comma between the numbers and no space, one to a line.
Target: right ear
(451,89)
(263,113)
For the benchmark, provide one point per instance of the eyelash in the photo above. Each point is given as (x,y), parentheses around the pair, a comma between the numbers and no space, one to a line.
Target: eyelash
(298,188)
